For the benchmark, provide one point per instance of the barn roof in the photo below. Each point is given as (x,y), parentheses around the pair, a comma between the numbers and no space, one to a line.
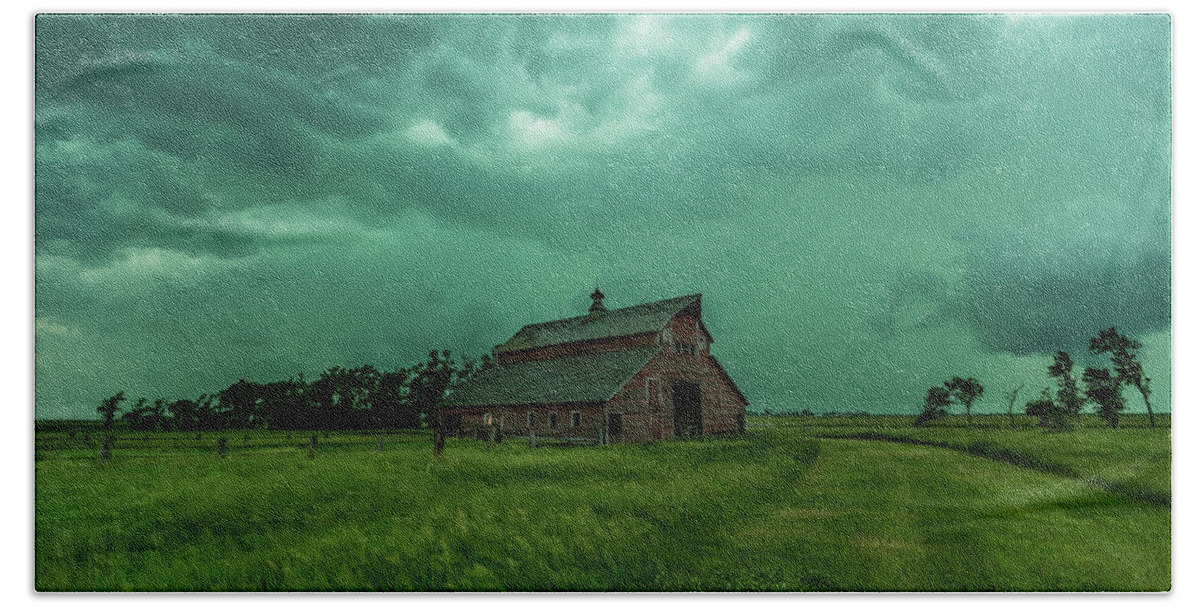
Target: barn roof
(628,321)
(581,379)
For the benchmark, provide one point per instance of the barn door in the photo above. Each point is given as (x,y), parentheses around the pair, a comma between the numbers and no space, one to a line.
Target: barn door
(685,397)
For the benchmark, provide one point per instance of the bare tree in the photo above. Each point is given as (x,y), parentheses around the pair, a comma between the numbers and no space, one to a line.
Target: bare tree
(1012,399)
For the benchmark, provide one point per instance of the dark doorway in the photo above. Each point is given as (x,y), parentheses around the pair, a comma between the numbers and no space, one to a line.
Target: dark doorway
(686,398)
(614,426)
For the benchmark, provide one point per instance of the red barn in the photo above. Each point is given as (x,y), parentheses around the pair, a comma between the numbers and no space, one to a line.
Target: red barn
(641,373)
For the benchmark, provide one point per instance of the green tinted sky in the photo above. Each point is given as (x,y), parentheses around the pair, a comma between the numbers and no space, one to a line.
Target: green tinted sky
(869,203)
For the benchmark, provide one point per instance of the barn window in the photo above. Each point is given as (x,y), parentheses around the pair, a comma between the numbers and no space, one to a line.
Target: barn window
(576,419)
(530,419)
(553,420)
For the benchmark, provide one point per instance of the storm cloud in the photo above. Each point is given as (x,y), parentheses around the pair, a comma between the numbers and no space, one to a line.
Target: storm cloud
(869,203)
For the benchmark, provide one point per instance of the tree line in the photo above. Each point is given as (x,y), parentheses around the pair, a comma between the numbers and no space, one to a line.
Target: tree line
(1101,386)
(1060,409)
(341,398)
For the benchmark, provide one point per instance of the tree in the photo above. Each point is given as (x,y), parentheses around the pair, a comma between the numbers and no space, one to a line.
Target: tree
(1012,398)
(388,401)
(363,385)
(1048,412)
(133,416)
(1104,389)
(965,392)
(208,417)
(329,408)
(219,412)
(1069,398)
(1043,408)
(936,402)
(144,417)
(285,405)
(343,396)
(184,414)
(470,369)
(1124,359)
(429,384)
(109,409)
(158,414)
(240,404)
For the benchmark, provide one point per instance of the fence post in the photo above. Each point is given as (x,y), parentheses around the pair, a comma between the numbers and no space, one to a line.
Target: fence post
(107,447)
(491,437)
(532,439)
(439,436)
(379,445)
(312,446)
(222,442)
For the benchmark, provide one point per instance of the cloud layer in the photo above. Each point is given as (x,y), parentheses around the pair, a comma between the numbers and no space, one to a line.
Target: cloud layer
(868,202)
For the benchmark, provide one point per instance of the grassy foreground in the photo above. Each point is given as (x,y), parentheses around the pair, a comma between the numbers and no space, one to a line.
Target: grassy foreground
(786,507)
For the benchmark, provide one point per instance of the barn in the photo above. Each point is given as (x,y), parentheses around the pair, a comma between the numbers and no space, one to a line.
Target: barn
(628,375)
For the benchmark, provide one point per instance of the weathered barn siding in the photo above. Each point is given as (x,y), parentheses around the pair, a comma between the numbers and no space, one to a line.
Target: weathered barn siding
(648,417)
(510,421)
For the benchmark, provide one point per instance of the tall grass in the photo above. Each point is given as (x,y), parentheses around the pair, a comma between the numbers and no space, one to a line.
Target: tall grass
(774,510)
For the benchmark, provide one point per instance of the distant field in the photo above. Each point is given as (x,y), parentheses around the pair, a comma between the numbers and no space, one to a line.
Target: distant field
(797,504)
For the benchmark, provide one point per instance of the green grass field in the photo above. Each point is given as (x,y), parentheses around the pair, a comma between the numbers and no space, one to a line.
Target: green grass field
(795,504)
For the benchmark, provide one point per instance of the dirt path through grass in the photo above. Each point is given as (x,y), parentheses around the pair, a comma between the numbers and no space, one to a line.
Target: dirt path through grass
(1027,460)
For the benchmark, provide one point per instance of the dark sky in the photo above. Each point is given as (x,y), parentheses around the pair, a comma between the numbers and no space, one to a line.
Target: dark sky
(870,204)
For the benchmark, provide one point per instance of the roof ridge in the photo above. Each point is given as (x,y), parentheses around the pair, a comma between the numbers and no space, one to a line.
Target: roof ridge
(615,310)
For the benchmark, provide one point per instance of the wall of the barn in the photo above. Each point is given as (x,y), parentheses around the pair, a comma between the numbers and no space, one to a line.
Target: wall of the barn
(511,421)
(647,409)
